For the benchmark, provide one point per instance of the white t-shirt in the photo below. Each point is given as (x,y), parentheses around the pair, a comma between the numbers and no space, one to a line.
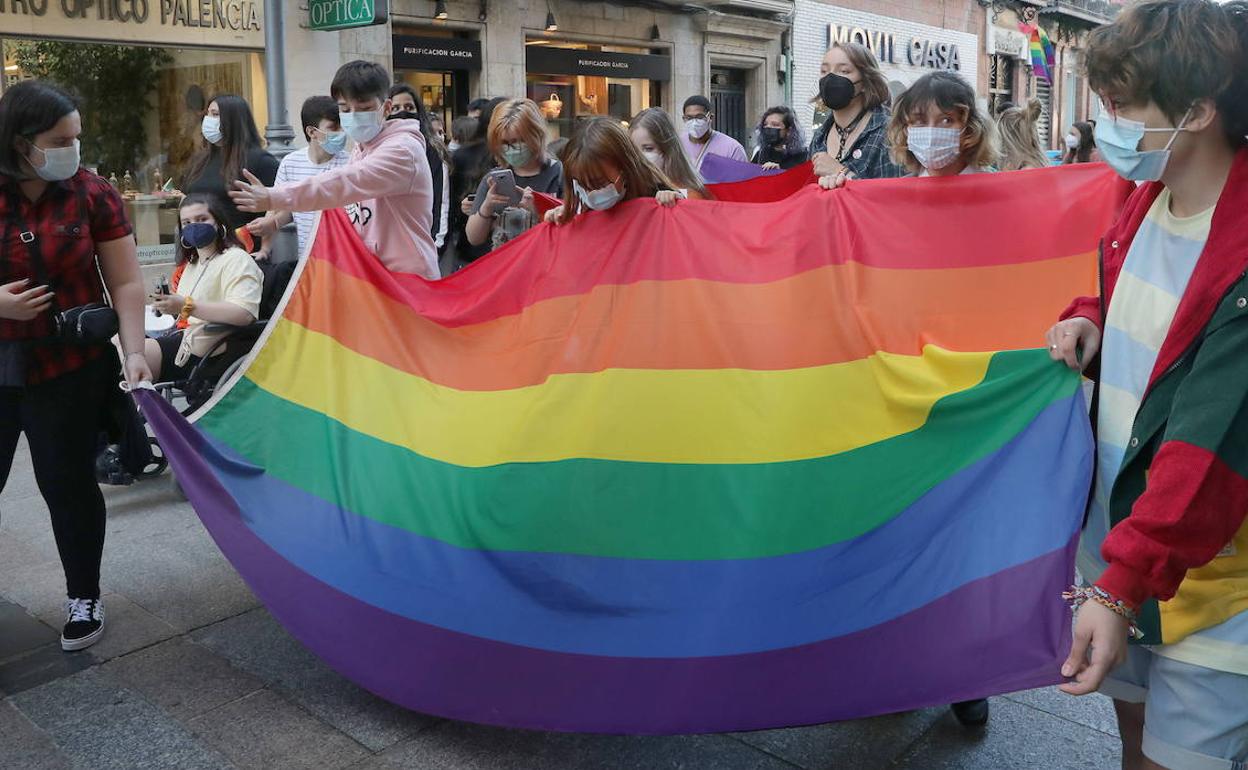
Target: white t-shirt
(296,167)
(231,276)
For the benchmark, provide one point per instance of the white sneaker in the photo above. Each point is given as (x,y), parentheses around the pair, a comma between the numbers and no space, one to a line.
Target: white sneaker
(84,625)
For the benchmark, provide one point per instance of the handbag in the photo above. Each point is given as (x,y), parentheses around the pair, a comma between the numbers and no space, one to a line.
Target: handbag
(89,324)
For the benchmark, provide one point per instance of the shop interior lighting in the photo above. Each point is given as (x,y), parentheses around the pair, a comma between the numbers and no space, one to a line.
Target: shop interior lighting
(439,10)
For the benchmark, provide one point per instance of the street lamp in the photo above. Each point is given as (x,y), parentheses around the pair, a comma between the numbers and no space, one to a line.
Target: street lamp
(439,10)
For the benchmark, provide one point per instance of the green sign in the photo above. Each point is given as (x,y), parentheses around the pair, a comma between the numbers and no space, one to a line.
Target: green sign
(345,14)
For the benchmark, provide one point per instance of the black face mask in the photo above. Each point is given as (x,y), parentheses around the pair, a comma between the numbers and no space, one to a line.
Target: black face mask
(769,136)
(836,91)
(405,115)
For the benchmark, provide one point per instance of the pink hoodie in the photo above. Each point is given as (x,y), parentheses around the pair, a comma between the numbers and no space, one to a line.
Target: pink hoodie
(389,179)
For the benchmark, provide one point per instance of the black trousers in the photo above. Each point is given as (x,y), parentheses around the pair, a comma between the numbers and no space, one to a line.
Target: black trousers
(61,419)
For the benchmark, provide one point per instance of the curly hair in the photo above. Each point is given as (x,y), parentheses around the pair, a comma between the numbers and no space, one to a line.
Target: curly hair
(1176,52)
(950,93)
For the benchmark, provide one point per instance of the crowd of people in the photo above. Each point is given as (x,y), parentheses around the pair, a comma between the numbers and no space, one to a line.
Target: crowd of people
(1170,72)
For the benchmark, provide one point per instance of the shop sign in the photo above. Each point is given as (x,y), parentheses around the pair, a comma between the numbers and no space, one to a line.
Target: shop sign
(436,53)
(548,60)
(214,23)
(345,14)
(1007,42)
(915,51)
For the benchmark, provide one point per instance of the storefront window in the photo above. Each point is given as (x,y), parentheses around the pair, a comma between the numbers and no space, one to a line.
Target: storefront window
(570,81)
(141,111)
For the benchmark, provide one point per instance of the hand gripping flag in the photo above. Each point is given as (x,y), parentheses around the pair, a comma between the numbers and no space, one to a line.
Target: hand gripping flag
(717,467)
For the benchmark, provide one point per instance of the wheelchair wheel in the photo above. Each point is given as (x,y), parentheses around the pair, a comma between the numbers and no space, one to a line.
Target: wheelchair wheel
(228,373)
(159,463)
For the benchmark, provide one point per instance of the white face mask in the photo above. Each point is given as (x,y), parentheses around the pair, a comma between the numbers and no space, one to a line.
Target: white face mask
(655,157)
(1071,142)
(59,163)
(934,148)
(697,127)
(599,200)
(362,127)
(211,128)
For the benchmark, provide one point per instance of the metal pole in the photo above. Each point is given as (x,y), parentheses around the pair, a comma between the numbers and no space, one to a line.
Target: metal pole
(278,133)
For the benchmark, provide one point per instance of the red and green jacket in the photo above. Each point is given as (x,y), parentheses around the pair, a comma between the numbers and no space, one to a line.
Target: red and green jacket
(1181,496)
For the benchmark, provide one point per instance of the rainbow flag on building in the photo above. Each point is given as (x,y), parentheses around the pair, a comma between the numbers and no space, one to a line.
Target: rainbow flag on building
(1043,59)
(719,467)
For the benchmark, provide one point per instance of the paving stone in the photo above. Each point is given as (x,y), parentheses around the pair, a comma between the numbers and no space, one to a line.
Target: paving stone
(864,743)
(256,643)
(127,627)
(30,578)
(22,632)
(177,575)
(46,664)
(99,724)
(1095,710)
(25,746)
(183,678)
(1017,737)
(267,732)
(465,746)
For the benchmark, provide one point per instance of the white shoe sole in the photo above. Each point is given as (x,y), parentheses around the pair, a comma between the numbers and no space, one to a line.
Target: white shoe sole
(73,645)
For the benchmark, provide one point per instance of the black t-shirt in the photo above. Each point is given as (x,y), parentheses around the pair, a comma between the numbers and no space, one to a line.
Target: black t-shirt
(786,160)
(211,182)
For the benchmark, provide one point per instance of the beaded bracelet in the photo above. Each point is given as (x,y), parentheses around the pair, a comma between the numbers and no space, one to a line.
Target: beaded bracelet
(1080,595)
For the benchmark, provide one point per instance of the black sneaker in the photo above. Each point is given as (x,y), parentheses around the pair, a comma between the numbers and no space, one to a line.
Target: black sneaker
(109,470)
(84,626)
(971,713)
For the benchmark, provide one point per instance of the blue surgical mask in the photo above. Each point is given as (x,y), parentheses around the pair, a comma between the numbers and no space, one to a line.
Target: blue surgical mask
(1119,139)
(333,142)
(197,235)
(600,199)
(59,163)
(362,127)
(516,155)
(211,129)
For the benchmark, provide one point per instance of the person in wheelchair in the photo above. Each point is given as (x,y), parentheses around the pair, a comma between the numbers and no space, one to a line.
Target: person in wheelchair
(220,284)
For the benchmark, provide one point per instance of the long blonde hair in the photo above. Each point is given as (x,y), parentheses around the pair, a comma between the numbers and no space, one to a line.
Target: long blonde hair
(597,142)
(525,117)
(676,163)
(1020,143)
(950,93)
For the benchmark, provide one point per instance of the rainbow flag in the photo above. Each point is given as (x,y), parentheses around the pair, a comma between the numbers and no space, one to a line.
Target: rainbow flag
(718,467)
(1043,58)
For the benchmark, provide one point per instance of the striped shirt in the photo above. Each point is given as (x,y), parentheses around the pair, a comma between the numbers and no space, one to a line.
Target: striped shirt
(1153,280)
(296,167)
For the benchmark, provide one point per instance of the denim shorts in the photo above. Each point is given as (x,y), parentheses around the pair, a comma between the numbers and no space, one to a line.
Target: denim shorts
(1195,718)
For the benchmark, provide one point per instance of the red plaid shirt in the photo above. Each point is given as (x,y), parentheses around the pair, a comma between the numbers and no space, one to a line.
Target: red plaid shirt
(67,221)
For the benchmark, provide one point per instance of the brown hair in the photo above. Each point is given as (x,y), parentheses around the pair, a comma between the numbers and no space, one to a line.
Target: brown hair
(525,118)
(676,163)
(1020,144)
(1176,52)
(950,93)
(874,85)
(1082,152)
(226,238)
(238,138)
(602,140)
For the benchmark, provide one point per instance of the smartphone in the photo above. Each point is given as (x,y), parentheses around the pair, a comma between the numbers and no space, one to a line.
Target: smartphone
(505,185)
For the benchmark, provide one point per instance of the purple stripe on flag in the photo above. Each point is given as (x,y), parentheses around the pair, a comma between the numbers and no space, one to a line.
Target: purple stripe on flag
(716,169)
(1003,633)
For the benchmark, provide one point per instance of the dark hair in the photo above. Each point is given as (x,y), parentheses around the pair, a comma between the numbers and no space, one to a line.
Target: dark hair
(697,100)
(238,137)
(360,80)
(478,104)
(422,115)
(315,109)
(462,129)
(1082,153)
(481,136)
(950,92)
(794,142)
(27,109)
(225,236)
(1174,53)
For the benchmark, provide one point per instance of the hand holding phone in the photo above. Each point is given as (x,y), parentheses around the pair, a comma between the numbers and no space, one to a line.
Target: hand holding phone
(505,185)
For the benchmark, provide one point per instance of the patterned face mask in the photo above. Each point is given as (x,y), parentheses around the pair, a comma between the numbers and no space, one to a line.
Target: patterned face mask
(933,147)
